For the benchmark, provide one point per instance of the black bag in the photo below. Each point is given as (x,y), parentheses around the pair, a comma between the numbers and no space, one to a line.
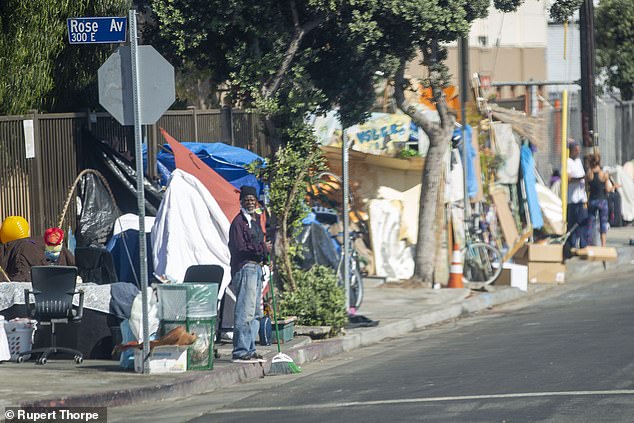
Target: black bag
(615,216)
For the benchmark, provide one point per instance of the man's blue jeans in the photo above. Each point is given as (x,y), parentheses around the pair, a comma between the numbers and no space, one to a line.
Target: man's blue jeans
(247,284)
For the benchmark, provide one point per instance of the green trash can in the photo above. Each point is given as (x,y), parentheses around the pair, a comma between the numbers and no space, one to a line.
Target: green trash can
(194,306)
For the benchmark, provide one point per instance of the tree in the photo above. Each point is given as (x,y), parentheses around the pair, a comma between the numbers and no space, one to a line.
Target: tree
(38,69)
(290,58)
(615,44)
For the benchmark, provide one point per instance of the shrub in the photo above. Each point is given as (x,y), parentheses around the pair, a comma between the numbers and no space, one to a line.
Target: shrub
(318,299)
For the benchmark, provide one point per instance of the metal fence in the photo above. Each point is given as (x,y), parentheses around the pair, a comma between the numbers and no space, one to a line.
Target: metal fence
(38,152)
(615,131)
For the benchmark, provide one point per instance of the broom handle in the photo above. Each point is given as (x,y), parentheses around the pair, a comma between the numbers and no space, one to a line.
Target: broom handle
(5,274)
(277,331)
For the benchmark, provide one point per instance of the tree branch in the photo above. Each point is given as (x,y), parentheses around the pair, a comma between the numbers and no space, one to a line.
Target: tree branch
(399,95)
(435,78)
(270,88)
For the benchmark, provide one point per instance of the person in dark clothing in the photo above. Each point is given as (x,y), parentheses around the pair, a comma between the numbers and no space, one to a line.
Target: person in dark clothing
(17,257)
(599,183)
(248,250)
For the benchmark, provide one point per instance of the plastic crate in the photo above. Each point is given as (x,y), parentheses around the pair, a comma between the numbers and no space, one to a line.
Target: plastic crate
(286,328)
(200,355)
(20,337)
(179,302)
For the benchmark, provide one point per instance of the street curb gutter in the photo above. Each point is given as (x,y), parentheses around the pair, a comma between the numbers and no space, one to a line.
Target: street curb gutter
(202,382)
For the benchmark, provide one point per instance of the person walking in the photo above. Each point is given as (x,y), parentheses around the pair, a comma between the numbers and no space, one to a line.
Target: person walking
(577,198)
(248,250)
(599,184)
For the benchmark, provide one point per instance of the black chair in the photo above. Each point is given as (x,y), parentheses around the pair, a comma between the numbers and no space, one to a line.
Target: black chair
(53,290)
(209,273)
(204,273)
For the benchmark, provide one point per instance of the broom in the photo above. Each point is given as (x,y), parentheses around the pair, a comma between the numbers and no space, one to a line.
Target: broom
(281,364)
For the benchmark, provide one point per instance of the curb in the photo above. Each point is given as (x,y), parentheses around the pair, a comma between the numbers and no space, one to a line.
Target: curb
(199,383)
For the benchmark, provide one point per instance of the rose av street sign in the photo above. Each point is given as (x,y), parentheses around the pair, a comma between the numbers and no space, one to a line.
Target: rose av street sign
(97,30)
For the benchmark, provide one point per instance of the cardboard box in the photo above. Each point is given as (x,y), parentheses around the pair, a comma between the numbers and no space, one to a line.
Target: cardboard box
(546,253)
(542,272)
(163,359)
(593,253)
(515,275)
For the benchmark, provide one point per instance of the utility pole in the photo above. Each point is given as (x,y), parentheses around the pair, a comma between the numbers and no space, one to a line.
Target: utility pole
(588,100)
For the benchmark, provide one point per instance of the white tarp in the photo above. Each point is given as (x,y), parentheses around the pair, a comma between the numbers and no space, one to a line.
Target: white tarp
(626,190)
(508,147)
(394,258)
(190,228)
(410,200)
(550,204)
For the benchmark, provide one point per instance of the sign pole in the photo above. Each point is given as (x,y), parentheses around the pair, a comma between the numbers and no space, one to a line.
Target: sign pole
(138,154)
(346,222)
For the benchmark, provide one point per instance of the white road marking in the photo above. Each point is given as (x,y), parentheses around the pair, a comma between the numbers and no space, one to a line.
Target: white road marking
(423,400)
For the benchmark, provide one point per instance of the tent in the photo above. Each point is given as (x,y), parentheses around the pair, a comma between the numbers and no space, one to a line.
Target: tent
(226,160)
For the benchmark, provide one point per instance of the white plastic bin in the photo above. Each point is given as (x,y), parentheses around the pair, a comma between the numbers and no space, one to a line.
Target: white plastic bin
(20,337)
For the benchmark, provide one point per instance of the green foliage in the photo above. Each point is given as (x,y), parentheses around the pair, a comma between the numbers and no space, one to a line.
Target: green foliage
(317,301)
(407,153)
(615,44)
(562,10)
(38,68)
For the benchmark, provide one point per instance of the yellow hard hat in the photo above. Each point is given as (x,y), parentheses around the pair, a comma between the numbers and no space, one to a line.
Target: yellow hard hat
(14,227)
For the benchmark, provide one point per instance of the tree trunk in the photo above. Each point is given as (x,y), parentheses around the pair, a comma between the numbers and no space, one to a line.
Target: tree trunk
(425,255)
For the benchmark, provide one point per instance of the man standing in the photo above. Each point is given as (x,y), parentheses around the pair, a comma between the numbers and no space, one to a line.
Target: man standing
(248,250)
(577,198)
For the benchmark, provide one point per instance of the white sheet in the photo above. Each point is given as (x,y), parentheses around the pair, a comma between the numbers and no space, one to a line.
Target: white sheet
(509,149)
(550,204)
(190,228)
(394,259)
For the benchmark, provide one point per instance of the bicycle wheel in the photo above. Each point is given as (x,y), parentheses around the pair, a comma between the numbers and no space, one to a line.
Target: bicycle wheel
(482,263)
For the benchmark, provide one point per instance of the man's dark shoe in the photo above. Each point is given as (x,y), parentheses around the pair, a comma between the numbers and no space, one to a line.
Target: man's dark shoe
(258,357)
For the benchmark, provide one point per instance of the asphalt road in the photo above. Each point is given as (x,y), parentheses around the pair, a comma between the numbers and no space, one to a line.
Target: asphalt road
(564,359)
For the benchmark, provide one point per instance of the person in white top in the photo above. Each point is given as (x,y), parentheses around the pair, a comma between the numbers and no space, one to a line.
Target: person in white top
(577,198)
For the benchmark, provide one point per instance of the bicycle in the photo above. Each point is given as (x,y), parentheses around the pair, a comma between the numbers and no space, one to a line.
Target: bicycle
(482,262)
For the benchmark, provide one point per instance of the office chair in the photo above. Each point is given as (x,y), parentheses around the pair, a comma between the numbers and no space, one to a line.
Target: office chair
(53,291)
(209,273)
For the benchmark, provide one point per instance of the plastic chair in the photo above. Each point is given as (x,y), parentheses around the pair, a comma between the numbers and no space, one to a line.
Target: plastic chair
(53,290)
(209,273)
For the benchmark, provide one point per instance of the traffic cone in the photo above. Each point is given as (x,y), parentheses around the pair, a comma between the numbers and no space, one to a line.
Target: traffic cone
(455,273)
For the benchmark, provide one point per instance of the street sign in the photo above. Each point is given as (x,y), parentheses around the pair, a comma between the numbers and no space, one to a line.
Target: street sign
(97,30)
(156,86)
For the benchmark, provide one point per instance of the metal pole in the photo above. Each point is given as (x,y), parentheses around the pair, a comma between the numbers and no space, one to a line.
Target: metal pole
(139,186)
(464,95)
(346,222)
(588,106)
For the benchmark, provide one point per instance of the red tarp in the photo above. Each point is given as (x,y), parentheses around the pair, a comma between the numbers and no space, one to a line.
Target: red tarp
(227,196)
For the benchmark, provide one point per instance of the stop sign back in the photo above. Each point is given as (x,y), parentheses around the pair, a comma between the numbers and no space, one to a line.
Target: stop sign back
(156,85)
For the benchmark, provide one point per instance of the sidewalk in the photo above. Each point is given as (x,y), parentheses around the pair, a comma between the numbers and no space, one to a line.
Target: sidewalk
(399,310)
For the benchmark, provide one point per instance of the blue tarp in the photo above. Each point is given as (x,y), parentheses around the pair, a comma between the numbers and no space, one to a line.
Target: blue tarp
(528,171)
(228,161)
(472,182)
